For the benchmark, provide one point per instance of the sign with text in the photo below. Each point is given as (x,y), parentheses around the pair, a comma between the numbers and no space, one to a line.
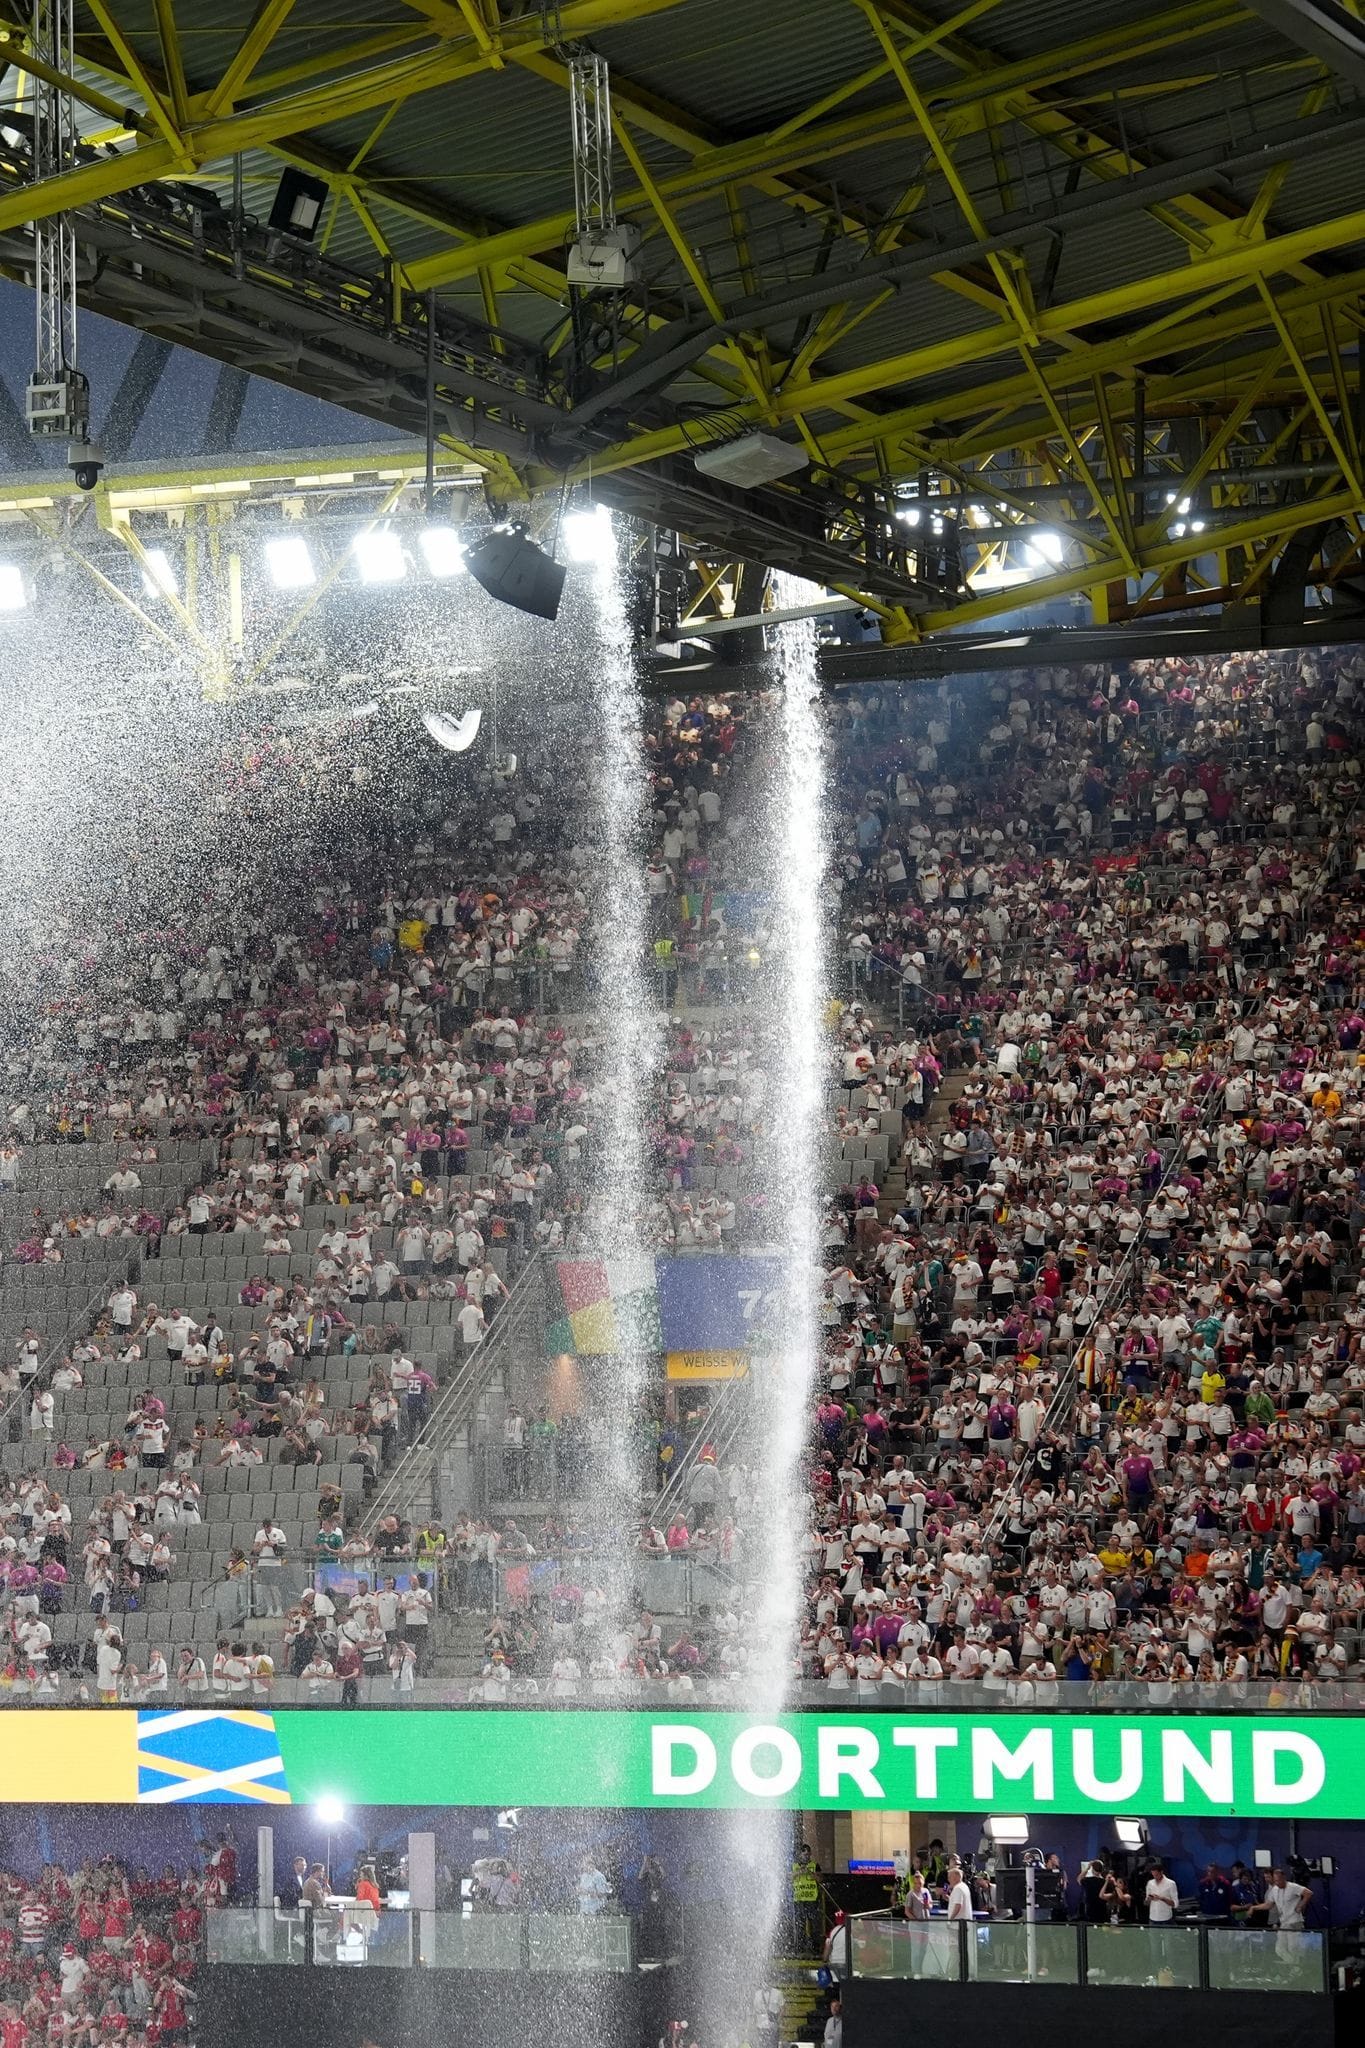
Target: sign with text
(1253,1766)
(706,1365)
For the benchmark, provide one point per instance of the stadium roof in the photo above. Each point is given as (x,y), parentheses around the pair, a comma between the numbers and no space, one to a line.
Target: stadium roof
(1091,272)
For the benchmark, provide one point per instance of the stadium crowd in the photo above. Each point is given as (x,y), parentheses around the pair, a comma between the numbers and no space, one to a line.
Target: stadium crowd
(103,1953)
(1092,1407)
(1090,1397)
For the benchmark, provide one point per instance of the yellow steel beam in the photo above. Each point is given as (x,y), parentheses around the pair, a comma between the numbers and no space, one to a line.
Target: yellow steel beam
(652,115)
(926,39)
(214,140)
(690,263)
(323,584)
(1243,263)
(172,62)
(326,62)
(1077,454)
(1309,383)
(125,120)
(1282,521)
(1113,455)
(1217,444)
(265,25)
(173,140)
(1346,421)
(1269,191)
(110,588)
(987,76)
(943,156)
(122,531)
(1247,263)
(1199,218)
(796,143)
(712,578)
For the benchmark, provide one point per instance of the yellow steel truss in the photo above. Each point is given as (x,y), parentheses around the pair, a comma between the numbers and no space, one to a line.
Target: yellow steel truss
(1026,396)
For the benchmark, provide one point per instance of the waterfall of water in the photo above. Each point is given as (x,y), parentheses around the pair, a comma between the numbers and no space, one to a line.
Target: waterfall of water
(632,1029)
(793,989)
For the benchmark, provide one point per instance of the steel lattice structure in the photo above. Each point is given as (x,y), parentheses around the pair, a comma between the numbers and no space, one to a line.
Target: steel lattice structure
(1089,276)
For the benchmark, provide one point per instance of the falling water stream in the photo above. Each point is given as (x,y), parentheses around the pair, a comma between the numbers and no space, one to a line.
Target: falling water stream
(629,1016)
(792,992)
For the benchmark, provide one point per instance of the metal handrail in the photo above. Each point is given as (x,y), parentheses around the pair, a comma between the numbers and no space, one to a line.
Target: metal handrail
(75,1326)
(126,1269)
(725,1421)
(460,1399)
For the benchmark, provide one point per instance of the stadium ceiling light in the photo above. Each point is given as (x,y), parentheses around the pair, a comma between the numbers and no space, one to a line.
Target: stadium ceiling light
(379,556)
(442,551)
(289,562)
(588,534)
(158,576)
(1044,547)
(456,735)
(13,590)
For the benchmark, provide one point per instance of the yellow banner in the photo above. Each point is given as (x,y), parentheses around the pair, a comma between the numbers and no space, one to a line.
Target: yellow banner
(708,1365)
(64,1754)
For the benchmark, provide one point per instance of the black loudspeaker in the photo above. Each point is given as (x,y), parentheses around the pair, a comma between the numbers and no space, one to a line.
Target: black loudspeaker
(515,571)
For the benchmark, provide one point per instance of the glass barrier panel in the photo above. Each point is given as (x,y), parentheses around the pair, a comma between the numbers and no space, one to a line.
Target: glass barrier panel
(591,1941)
(1023,1952)
(473,1941)
(354,1937)
(1156,1958)
(1262,1959)
(251,1934)
(883,1947)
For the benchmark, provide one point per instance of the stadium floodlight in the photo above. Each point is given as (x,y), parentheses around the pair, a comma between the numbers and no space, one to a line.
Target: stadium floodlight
(379,556)
(588,535)
(1044,547)
(456,735)
(1008,1828)
(442,551)
(13,590)
(289,562)
(158,575)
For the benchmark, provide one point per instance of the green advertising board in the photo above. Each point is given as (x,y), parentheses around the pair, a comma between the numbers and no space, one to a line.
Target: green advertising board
(1254,1767)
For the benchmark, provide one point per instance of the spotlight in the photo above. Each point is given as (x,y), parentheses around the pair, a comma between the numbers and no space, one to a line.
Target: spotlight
(1129,1833)
(1009,1828)
(588,535)
(299,201)
(330,1810)
(379,556)
(1043,547)
(290,564)
(158,577)
(442,551)
(515,571)
(13,595)
(456,735)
